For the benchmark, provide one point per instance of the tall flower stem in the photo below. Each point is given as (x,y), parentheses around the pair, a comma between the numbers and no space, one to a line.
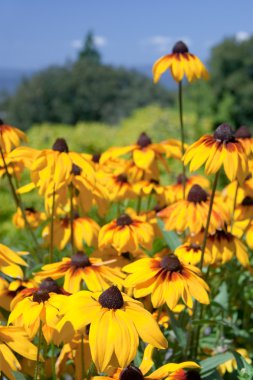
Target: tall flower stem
(51,245)
(181,121)
(71,192)
(37,365)
(198,310)
(17,199)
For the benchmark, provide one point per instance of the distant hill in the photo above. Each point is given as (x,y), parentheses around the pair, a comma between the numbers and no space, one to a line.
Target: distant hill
(11,78)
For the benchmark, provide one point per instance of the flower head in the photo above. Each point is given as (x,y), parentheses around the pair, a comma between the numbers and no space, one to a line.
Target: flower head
(116,322)
(167,279)
(180,62)
(10,137)
(217,150)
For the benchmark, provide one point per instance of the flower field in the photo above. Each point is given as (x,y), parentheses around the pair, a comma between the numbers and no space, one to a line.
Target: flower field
(126,254)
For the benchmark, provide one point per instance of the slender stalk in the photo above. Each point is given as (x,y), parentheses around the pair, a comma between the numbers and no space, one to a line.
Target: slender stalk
(51,246)
(17,199)
(181,121)
(37,365)
(72,241)
(53,361)
(82,357)
(234,206)
(208,219)
(138,208)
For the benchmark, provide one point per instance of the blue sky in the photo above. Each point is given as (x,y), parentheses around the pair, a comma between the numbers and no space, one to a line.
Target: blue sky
(37,33)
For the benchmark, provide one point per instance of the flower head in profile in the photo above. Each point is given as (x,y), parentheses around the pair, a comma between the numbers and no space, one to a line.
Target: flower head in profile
(243,134)
(14,339)
(168,280)
(192,213)
(217,150)
(126,234)
(33,216)
(181,63)
(10,137)
(79,269)
(191,253)
(116,322)
(10,262)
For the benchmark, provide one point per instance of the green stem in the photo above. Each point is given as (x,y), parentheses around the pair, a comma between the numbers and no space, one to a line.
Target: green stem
(208,219)
(37,365)
(17,199)
(53,361)
(51,246)
(181,121)
(82,357)
(72,240)
(138,208)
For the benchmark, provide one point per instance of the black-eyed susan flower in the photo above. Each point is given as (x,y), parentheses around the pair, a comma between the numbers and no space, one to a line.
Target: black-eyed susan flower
(168,280)
(244,135)
(182,374)
(217,150)
(119,187)
(192,213)
(180,63)
(10,137)
(244,210)
(34,218)
(14,339)
(126,233)
(190,253)
(9,291)
(39,306)
(144,152)
(85,231)
(116,322)
(79,269)
(14,167)
(10,262)
(174,192)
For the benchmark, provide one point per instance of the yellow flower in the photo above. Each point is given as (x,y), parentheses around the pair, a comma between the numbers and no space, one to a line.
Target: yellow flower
(14,339)
(14,167)
(181,374)
(126,234)
(231,365)
(33,216)
(9,291)
(85,230)
(243,134)
(217,150)
(192,213)
(167,279)
(41,306)
(96,275)
(10,137)
(119,187)
(10,262)
(116,322)
(180,62)
(190,253)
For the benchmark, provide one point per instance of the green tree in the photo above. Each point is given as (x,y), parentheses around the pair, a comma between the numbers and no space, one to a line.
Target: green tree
(89,51)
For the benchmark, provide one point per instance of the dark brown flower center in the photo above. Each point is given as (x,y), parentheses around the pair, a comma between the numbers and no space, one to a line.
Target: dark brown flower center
(192,374)
(126,255)
(144,140)
(49,285)
(111,298)
(197,194)
(31,210)
(131,373)
(60,145)
(221,235)
(76,170)
(195,247)
(122,178)
(41,295)
(181,178)
(96,158)
(180,48)
(154,181)
(171,263)
(243,133)
(124,220)
(247,201)
(224,133)
(80,260)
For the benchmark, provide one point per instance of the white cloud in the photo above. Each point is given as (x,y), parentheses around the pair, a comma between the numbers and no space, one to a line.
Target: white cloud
(76,44)
(164,44)
(100,41)
(242,36)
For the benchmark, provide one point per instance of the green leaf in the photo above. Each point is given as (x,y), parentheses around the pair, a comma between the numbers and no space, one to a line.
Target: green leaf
(19,376)
(210,364)
(178,330)
(244,369)
(170,237)
(222,296)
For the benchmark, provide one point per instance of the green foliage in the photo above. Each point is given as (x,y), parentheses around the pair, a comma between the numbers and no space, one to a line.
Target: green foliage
(83,91)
